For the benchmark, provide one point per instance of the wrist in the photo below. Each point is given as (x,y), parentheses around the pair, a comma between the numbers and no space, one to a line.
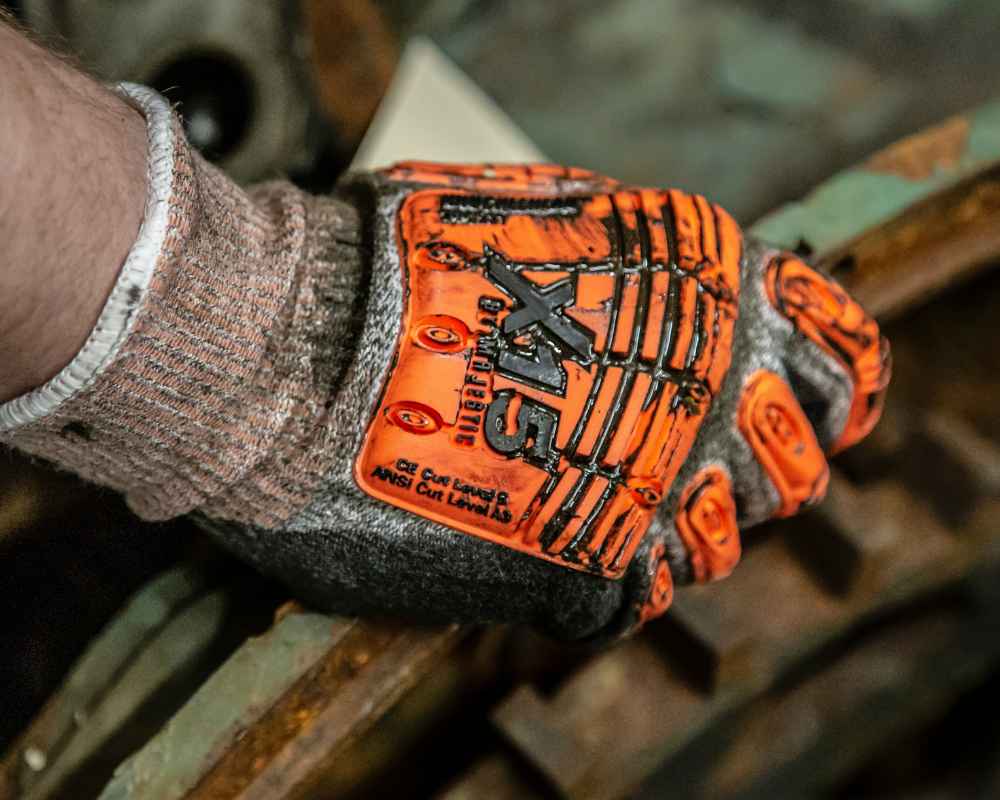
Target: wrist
(72,195)
(207,376)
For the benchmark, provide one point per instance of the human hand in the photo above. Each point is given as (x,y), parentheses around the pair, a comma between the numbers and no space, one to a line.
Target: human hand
(601,377)
(510,393)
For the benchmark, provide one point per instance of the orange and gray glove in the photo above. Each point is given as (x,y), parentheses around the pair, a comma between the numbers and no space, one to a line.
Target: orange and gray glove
(476,393)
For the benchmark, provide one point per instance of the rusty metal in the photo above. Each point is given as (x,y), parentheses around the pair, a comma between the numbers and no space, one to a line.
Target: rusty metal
(297,712)
(270,720)
(639,710)
(893,679)
(353,51)
(910,221)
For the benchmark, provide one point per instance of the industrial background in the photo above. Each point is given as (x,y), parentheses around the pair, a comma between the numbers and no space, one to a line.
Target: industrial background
(854,653)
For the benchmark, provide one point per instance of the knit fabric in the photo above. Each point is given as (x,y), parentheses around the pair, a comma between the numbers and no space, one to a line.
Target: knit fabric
(209,373)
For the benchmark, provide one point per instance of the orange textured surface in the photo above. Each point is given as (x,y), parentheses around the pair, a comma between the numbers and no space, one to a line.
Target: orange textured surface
(826,314)
(661,592)
(774,424)
(706,522)
(487,177)
(562,340)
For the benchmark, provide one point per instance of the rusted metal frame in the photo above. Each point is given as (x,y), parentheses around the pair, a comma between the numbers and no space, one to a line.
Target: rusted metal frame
(47,754)
(290,749)
(269,720)
(913,218)
(228,703)
(937,242)
(400,753)
(638,711)
(893,679)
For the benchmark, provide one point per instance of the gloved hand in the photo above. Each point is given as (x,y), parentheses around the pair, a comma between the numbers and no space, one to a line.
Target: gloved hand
(509,393)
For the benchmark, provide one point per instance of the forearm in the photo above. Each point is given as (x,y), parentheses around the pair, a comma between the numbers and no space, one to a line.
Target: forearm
(72,192)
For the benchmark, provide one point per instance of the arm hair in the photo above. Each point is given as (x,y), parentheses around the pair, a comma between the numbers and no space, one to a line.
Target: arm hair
(72,194)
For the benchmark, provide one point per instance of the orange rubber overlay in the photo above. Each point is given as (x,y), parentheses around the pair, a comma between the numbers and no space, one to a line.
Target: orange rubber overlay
(783,441)
(490,177)
(661,590)
(706,523)
(558,354)
(827,315)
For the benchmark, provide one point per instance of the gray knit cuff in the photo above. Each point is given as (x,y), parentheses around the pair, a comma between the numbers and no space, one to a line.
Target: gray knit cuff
(209,374)
(116,318)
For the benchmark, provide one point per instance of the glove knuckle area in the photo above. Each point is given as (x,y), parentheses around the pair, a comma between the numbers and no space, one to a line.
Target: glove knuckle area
(660,592)
(783,442)
(563,342)
(700,543)
(706,523)
(833,322)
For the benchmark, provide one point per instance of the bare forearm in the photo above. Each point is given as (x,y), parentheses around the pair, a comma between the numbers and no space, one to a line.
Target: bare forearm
(72,191)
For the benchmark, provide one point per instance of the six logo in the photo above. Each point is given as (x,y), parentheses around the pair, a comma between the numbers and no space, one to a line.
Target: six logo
(536,429)
(539,311)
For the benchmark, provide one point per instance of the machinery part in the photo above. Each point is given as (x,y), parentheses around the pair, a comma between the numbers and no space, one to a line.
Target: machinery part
(233,67)
(171,636)
(264,88)
(353,54)
(928,220)
(892,679)
(292,697)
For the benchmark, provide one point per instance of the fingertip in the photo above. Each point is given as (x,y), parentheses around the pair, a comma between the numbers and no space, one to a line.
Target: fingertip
(706,524)
(826,315)
(871,383)
(661,585)
(783,442)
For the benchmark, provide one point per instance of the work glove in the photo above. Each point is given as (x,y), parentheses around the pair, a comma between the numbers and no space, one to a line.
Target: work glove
(518,393)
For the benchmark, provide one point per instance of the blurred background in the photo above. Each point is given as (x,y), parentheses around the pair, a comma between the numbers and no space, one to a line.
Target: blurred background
(855,653)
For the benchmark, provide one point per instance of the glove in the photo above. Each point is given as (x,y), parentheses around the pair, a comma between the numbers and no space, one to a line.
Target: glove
(474,393)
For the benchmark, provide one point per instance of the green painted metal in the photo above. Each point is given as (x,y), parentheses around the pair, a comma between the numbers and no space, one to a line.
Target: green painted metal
(239,692)
(860,199)
(172,653)
(65,719)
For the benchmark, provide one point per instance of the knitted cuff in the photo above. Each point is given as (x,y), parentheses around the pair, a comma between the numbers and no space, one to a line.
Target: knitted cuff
(207,377)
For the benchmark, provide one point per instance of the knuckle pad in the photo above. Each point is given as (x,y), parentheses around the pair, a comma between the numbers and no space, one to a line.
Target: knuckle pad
(562,342)
(661,586)
(783,442)
(706,523)
(836,323)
